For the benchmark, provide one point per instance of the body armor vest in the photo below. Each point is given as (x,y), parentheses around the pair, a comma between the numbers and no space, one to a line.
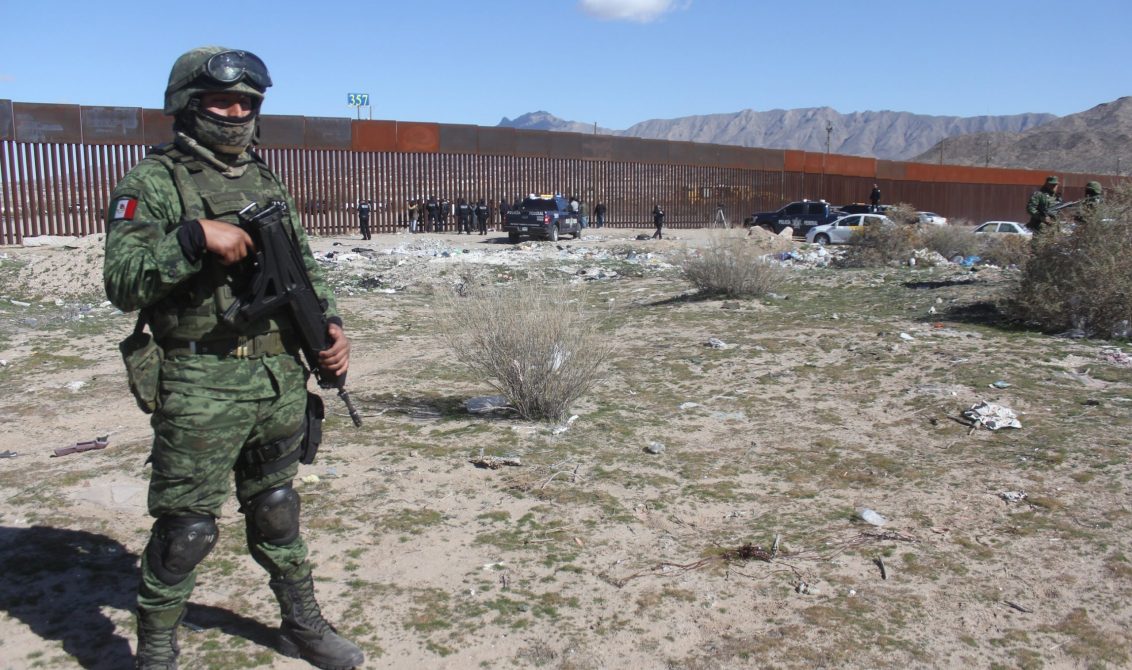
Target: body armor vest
(194,313)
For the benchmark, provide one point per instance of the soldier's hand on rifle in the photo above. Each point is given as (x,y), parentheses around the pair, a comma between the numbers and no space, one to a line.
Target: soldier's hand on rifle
(336,359)
(231,244)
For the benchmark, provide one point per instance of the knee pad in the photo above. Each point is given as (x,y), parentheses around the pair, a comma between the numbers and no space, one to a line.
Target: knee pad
(178,544)
(273,516)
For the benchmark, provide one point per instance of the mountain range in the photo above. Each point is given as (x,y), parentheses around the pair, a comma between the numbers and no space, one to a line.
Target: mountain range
(1084,142)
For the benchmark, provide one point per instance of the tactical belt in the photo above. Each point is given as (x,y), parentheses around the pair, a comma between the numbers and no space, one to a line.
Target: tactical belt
(268,344)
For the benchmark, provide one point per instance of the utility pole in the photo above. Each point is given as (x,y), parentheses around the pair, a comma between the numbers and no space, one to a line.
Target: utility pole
(828,132)
(941,143)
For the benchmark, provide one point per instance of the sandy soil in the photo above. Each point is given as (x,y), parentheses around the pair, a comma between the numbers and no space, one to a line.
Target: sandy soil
(739,545)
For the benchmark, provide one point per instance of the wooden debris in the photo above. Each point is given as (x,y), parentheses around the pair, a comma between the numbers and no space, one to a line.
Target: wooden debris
(1018,607)
(880,564)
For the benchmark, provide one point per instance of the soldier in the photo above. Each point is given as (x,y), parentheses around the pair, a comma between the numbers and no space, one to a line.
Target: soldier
(658,221)
(1041,204)
(482,214)
(363,218)
(229,400)
(1087,208)
(874,199)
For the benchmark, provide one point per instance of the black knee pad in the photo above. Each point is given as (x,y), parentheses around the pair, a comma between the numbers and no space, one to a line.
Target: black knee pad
(273,516)
(178,544)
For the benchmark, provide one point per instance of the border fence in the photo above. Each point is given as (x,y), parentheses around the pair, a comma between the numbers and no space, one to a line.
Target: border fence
(59,164)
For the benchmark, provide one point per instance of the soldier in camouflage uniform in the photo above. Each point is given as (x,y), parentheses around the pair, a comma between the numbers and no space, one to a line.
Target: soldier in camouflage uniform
(230,401)
(1041,204)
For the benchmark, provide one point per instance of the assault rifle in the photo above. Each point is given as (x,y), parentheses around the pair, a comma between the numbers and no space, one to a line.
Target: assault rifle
(280,283)
(1064,205)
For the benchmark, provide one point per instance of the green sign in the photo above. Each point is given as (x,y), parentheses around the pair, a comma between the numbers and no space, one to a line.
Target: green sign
(357,99)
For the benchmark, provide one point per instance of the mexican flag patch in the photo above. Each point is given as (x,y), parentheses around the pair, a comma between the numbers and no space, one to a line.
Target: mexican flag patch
(124,208)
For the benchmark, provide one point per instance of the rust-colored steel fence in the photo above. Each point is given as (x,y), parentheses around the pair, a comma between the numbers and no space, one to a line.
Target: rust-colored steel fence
(59,164)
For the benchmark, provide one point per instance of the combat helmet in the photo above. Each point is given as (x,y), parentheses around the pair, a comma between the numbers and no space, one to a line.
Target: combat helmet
(214,68)
(1093,188)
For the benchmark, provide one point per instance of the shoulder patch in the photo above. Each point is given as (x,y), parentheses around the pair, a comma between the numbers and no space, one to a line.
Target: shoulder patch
(124,209)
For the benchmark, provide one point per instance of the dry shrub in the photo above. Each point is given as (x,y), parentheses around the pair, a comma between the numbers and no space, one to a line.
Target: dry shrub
(1004,250)
(731,265)
(876,245)
(1082,278)
(949,241)
(903,214)
(536,344)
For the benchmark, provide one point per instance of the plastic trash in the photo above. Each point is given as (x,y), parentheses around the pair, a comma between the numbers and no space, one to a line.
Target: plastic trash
(871,517)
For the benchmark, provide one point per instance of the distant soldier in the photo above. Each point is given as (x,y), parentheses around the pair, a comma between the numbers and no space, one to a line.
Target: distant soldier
(1087,208)
(874,198)
(363,218)
(482,213)
(658,221)
(599,214)
(1041,205)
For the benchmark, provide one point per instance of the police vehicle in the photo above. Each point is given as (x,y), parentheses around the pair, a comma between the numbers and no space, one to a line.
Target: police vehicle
(544,217)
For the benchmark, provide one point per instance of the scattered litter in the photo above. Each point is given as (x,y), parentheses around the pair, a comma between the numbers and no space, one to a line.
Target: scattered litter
(8,454)
(689,405)
(805,589)
(1116,356)
(310,479)
(486,404)
(20,303)
(492,566)
(1000,384)
(991,416)
(1013,496)
(716,343)
(870,517)
(97,443)
(562,428)
(654,448)
(906,337)
(75,386)
(3,363)
(494,462)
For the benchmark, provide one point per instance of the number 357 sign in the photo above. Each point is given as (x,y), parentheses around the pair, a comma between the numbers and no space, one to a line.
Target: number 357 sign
(357,99)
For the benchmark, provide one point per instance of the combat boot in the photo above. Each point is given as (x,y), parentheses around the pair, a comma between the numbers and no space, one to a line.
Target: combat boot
(305,634)
(157,641)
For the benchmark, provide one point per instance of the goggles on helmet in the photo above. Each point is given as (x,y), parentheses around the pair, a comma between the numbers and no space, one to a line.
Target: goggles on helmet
(230,67)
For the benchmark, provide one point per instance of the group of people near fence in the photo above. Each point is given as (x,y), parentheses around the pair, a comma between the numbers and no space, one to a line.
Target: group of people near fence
(433,215)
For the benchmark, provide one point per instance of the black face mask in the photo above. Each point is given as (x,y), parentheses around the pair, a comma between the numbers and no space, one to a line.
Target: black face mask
(224,134)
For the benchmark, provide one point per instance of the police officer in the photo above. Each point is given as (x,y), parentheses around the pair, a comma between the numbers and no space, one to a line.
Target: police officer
(232,399)
(433,209)
(363,218)
(482,215)
(444,213)
(463,217)
(1041,204)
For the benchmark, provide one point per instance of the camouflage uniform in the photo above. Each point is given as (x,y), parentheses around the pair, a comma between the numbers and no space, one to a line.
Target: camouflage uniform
(230,401)
(1040,205)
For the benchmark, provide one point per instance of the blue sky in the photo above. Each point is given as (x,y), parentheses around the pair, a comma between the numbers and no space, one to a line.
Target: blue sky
(613,62)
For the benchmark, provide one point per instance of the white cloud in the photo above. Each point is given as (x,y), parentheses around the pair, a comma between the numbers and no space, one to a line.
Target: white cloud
(641,11)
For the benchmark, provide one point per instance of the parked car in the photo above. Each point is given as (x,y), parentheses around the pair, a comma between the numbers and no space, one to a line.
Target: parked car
(933,219)
(1003,228)
(799,216)
(863,208)
(842,229)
